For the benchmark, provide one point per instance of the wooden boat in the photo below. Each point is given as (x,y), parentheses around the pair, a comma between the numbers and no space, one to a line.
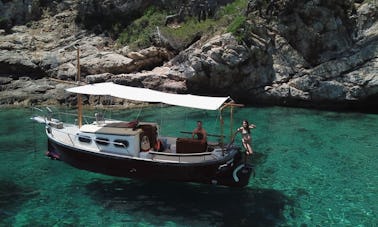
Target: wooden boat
(135,149)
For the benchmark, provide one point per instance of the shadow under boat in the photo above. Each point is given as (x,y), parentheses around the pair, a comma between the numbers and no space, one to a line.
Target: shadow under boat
(12,196)
(219,206)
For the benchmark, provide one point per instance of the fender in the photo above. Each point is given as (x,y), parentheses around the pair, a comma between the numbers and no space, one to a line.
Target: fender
(236,170)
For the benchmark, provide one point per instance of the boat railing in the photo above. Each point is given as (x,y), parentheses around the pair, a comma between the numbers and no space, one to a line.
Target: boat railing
(67,117)
(56,130)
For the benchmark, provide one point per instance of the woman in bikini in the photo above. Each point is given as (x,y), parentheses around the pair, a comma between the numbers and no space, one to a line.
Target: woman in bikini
(245,131)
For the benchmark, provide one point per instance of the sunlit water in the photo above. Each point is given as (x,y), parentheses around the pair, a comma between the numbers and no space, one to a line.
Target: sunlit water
(312,168)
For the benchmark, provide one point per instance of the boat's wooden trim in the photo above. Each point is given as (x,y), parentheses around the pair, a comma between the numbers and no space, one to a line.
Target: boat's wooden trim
(232,104)
(180,154)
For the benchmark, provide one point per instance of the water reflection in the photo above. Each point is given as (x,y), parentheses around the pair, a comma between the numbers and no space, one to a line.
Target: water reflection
(212,205)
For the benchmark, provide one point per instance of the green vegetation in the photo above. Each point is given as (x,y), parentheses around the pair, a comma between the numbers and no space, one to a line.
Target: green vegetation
(236,24)
(188,31)
(234,9)
(140,32)
(233,17)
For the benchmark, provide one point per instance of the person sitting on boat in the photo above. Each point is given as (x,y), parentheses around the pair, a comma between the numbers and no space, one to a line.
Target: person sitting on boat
(245,131)
(200,132)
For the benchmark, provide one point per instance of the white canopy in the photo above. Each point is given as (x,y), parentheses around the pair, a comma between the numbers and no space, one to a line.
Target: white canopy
(148,95)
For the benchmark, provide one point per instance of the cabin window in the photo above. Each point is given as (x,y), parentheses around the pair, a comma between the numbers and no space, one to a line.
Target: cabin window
(85,139)
(102,141)
(121,143)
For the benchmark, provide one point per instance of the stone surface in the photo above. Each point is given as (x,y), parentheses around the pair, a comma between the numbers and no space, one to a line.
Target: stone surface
(307,53)
(223,66)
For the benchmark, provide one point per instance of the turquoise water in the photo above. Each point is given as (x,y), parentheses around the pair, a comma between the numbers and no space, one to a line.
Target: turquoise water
(313,168)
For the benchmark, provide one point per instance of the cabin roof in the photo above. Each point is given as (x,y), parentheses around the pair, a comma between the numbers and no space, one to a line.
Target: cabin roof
(103,129)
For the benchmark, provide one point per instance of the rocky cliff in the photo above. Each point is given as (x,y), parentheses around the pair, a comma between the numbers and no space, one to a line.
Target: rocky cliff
(289,52)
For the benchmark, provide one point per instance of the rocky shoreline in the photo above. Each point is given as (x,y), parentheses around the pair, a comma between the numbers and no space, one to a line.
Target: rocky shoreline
(314,55)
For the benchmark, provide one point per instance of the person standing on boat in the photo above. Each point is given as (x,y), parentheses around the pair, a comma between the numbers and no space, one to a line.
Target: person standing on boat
(245,131)
(200,132)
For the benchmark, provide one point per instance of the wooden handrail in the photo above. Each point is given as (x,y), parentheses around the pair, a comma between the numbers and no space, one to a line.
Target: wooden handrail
(180,154)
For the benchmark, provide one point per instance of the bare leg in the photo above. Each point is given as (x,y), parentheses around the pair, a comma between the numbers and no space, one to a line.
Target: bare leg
(249,148)
(246,152)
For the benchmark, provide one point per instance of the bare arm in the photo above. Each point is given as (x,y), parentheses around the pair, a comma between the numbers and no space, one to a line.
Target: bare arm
(204,133)
(233,136)
(193,133)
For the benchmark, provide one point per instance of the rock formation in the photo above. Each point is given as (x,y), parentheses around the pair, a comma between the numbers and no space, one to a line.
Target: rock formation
(300,53)
(314,54)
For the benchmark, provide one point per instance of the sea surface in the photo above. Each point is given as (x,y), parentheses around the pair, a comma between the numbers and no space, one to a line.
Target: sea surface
(312,168)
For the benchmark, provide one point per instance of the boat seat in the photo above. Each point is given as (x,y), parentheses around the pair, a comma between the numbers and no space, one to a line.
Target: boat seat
(189,145)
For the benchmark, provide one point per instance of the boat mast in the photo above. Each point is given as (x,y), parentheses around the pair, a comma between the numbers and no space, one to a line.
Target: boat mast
(79,100)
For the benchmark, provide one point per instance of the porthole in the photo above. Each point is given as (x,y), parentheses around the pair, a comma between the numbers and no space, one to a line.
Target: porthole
(85,139)
(121,143)
(102,141)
